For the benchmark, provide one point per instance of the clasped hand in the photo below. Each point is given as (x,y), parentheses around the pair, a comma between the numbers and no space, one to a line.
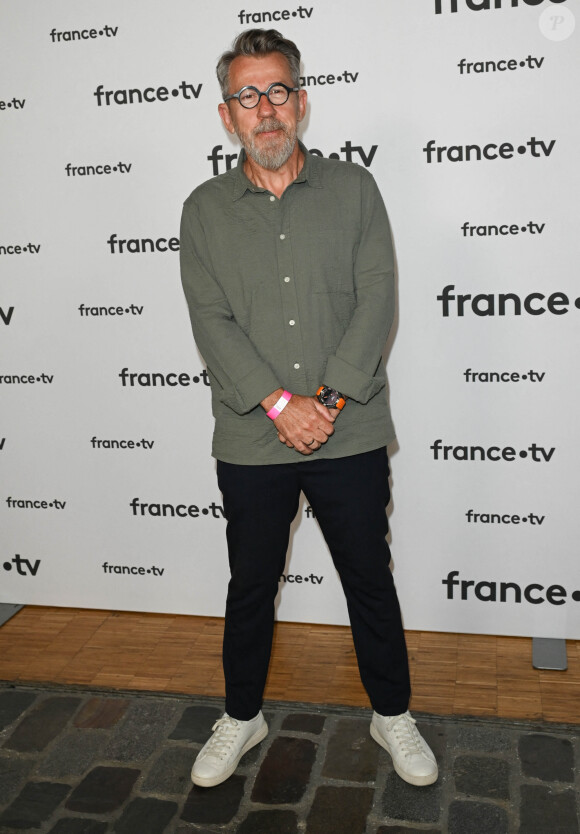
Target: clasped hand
(305,424)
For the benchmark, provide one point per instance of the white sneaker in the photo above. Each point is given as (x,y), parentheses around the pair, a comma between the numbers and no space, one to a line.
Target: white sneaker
(219,757)
(412,757)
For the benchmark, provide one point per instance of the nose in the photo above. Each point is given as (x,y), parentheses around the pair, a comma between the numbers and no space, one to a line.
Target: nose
(265,107)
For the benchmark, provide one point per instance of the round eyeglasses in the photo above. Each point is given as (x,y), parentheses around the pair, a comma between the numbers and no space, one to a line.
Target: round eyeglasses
(276,94)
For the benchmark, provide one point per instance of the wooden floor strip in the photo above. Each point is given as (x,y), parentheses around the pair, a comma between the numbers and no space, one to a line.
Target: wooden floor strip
(451,673)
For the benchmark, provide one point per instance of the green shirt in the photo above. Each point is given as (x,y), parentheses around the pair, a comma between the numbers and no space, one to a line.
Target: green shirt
(294,293)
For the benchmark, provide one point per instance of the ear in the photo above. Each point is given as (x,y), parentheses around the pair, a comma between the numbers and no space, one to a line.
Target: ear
(225,116)
(302,99)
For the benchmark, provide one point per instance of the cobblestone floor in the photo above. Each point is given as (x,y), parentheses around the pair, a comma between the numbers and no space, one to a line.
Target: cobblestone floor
(74,761)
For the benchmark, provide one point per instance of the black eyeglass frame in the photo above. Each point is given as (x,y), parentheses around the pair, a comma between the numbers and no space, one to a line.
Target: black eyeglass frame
(263,93)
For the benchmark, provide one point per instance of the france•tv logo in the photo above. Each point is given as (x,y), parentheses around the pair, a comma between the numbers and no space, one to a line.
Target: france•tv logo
(24,567)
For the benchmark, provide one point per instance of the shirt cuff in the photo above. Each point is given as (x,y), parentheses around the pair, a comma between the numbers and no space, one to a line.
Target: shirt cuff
(351,381)
(247,393)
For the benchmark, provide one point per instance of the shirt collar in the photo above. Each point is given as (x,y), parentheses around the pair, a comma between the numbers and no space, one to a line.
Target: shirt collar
(310,174)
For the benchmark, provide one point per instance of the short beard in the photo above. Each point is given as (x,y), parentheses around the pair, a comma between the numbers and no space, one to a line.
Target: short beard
(273,153)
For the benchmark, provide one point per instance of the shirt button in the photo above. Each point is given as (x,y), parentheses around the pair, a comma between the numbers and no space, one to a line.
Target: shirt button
(286,280)
(291,322)
(296,365)
(282,237)
(272,198)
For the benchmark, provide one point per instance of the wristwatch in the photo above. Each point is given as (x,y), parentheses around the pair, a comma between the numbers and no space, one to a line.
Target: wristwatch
(330,397)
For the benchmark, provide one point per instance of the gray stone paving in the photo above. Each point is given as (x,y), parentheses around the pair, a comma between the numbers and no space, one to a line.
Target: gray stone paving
(93,762)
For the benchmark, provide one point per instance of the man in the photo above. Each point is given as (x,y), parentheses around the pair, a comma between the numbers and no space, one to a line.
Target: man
(287,267)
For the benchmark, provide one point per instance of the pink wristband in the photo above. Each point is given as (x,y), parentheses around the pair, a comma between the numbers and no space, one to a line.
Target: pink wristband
(279,407)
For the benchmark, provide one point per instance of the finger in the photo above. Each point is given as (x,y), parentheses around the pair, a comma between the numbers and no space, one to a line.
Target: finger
(314,444)
(330,414)
(284,440)
(322,433)
(318,439)
(303,448)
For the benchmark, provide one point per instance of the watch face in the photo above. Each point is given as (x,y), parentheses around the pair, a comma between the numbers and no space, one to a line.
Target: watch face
(329,397)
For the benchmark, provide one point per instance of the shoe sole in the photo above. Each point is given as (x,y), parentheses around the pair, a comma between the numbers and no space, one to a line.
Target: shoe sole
(210,782)
(419,781)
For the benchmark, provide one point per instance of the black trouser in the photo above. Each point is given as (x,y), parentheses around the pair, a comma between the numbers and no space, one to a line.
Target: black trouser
(348,496)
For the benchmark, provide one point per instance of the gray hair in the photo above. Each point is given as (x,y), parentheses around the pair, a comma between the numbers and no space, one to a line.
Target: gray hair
(258,42)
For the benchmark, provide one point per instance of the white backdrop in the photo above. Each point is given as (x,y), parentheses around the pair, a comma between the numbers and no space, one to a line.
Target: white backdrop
(108,121)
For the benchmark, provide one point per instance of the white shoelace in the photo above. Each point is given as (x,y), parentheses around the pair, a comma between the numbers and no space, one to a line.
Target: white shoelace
(225,732)
(407,735)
